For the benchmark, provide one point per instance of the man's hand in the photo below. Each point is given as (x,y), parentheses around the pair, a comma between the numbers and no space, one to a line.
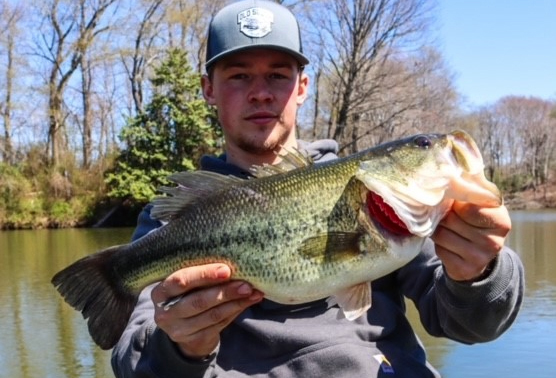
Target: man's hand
(211,302)
(469,238)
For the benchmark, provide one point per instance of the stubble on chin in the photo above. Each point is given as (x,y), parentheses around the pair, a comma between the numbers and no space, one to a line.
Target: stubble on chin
(260,146)
(257,148)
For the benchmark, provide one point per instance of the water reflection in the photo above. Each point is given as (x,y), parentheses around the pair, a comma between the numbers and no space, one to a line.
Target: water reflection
(44,337)
(527,348)
(41,335)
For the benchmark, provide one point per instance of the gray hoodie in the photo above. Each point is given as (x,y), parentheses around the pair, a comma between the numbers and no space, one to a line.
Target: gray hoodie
(311,340)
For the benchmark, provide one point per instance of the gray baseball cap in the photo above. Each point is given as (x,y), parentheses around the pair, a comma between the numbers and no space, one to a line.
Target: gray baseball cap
(254,23)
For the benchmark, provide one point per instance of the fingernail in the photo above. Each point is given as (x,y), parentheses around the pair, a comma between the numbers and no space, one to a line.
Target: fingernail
(223,272)
(256,296)
(244,289)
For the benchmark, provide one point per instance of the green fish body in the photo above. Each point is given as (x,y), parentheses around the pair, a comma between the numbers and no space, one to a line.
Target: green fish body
(298,232)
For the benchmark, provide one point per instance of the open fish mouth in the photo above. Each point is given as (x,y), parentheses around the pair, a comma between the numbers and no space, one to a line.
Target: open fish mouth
(384,216)
(404,200)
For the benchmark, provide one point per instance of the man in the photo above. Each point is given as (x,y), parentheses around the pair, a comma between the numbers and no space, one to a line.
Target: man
(467,286)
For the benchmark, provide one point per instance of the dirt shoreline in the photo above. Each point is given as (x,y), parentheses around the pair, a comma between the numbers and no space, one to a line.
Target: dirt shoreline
(542,197)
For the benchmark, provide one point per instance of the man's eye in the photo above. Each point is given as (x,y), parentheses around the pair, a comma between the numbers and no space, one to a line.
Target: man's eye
(278,76)
(239,76)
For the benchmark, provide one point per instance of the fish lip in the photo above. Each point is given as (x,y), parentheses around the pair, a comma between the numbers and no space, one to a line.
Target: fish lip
(466,153)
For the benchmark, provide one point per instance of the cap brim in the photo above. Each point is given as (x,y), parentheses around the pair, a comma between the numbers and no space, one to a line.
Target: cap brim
(302,59)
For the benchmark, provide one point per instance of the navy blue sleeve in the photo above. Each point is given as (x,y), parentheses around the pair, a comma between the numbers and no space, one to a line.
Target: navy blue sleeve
(468,312)
(145,223)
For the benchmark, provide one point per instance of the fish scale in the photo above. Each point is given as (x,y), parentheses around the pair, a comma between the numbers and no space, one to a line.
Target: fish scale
(298,232)
(258,237)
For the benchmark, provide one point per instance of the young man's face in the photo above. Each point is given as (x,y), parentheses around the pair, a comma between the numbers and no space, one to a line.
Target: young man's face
(257,93)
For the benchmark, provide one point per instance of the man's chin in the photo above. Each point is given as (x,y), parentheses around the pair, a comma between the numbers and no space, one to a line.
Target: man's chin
(262,147)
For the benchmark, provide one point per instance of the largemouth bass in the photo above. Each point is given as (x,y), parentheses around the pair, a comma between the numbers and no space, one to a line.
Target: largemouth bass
(322,230)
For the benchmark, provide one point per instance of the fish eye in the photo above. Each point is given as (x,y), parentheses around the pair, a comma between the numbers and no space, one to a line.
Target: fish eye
(422,141)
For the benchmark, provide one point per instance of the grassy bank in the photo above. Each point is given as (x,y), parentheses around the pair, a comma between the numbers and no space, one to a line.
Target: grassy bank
(33,195)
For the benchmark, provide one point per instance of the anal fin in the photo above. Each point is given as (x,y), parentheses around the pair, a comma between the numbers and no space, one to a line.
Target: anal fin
(354,301)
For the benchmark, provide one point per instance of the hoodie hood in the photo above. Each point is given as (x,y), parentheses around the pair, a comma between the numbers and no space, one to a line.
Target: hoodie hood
(319,151)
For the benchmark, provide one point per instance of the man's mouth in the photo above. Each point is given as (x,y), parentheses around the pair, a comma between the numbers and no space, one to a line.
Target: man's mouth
(261,117)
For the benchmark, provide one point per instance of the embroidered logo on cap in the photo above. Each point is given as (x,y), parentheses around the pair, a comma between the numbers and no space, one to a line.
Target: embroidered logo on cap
(255,22)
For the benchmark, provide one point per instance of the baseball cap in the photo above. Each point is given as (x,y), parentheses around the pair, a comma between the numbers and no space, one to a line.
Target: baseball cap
(253,23)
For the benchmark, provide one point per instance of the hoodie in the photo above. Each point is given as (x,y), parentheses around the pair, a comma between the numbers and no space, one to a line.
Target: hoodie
(312,340)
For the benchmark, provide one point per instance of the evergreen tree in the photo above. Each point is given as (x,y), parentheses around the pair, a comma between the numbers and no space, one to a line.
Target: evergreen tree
(176,128)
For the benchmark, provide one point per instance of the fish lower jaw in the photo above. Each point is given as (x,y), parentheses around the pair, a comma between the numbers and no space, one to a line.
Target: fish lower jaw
(406,250)
(414,219)
(390,234)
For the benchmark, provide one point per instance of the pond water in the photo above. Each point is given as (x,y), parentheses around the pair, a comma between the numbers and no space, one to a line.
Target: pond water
(41,336)
(527,348)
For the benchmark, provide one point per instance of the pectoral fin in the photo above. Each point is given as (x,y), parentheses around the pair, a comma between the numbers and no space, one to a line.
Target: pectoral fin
(354,301)
(333,246)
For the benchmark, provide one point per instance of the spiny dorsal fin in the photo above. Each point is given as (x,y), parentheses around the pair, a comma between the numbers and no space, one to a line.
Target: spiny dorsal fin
(191,186)
(205,180)
(292,159)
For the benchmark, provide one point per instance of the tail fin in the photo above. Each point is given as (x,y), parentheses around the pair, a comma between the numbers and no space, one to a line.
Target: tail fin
(90,285)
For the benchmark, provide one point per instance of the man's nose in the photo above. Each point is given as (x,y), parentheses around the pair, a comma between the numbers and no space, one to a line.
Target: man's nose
(260,90)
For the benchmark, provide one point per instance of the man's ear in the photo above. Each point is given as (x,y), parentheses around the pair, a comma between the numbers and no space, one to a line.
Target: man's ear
(302,88)
(208,90)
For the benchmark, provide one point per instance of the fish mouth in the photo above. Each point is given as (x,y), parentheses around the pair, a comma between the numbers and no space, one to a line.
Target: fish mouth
(384,216)
(403,198)
(472,185)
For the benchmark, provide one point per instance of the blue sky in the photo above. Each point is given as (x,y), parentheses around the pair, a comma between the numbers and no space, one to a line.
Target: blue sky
(498,48)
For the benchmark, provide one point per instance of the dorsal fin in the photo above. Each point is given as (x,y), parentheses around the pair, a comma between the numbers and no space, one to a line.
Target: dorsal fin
(203,180)
(293,158)
(190,187)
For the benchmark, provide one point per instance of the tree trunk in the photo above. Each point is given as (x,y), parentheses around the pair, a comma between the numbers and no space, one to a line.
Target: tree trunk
(8,153)
(86,80)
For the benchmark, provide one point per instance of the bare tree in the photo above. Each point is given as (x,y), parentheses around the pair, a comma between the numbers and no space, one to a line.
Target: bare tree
(106,109)
(537,132)
(518,137)
(488,133)
(10,16)
(137,60)
(362,40)
(417,95)
(431,88)
(87,131)
(67,33)
(188,22)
